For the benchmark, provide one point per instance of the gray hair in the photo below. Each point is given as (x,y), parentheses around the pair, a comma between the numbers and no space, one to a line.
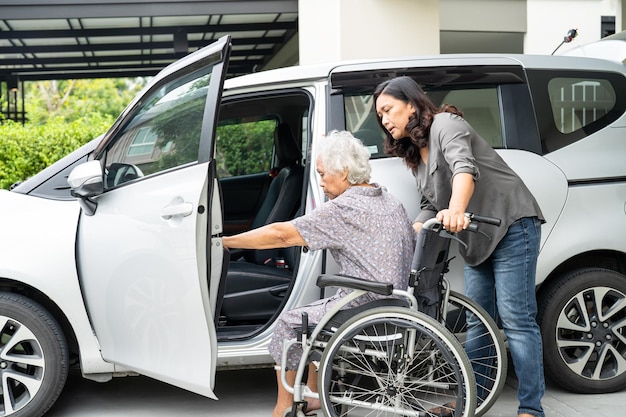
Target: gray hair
(340,150)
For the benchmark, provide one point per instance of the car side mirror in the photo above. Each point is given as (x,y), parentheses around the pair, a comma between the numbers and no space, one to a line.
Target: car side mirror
(86,182)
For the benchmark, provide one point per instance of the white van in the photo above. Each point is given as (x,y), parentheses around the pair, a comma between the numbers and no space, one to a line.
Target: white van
(126,273)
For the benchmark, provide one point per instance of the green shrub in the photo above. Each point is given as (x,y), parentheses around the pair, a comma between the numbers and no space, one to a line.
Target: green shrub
(27,149)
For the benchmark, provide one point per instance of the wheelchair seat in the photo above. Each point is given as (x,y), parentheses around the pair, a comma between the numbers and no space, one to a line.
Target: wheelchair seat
(343,315)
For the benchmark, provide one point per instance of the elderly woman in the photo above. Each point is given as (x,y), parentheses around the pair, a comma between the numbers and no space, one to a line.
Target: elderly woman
(366,230)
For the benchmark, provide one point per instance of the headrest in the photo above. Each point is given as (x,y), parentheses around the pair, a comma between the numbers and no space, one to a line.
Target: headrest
(287,148)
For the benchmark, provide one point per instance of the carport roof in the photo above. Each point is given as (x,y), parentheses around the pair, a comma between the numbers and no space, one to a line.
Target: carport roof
(61,39)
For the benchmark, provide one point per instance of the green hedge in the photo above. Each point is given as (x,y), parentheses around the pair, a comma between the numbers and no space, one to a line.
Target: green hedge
(27,149)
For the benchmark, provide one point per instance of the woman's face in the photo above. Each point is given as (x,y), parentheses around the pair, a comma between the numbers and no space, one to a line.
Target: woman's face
(394,115)
(333,184)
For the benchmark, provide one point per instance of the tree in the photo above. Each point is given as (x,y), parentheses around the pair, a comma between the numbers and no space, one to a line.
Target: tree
(61,116)
(72,99)
(27,149)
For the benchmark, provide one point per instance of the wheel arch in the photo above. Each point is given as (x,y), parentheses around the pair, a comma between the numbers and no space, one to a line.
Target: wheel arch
(16,287)
(604,259)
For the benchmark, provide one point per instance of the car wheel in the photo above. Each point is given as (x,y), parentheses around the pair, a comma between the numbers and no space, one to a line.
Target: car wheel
(33,357)
(583,324)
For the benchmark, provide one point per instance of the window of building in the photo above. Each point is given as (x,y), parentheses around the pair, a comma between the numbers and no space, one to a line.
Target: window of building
(607,26)
(144,142)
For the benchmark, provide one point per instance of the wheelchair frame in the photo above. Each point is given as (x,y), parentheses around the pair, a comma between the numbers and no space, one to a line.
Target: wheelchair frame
(417,322)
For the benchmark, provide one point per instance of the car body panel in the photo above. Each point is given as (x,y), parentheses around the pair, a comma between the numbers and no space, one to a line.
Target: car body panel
(51,238)
(612,47)
(603,220)
(545,181)
(598,156)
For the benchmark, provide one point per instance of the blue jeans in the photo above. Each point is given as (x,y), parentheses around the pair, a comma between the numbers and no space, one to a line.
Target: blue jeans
(504,285)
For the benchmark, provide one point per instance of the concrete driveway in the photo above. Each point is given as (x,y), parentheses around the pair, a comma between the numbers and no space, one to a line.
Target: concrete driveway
(251,393)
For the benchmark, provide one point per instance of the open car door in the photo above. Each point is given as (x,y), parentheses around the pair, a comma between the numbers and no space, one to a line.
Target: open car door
(149,241)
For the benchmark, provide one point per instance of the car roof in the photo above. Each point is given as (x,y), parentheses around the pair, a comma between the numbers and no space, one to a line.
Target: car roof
(303,73)
(611,47)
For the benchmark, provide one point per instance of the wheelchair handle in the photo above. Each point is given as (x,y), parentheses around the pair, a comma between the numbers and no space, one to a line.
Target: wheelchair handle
(483,219)
(435,225)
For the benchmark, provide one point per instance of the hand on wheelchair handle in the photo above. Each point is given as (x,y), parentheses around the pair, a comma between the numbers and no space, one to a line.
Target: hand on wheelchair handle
(436,226)
(483,219)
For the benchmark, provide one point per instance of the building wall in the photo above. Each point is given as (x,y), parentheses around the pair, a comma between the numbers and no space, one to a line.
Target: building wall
(331,30)
(334,30)
(521,26)
(549,21)
(482,25)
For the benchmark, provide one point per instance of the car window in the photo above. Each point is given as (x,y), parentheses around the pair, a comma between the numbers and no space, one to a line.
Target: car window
(480,107)
(571,105)
(361,121)
(578,102)
(248,130)
(244,147)
(164,132)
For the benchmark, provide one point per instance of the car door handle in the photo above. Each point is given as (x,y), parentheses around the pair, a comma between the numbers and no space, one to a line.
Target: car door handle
(177,210)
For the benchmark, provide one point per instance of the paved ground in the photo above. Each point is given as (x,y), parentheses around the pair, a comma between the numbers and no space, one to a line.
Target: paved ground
(251,393)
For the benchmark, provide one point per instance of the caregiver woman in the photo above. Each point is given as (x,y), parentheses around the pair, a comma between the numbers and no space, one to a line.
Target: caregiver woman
(458,172)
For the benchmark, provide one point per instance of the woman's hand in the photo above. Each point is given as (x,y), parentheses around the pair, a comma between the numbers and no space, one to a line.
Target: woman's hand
(453,220)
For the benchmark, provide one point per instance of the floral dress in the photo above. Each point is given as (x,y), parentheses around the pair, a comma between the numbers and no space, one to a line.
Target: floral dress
(370,236)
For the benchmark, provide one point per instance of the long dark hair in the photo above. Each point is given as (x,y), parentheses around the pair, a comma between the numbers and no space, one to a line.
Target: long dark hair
(407,90)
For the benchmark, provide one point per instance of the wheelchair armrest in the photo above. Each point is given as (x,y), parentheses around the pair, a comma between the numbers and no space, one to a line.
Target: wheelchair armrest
(354,283)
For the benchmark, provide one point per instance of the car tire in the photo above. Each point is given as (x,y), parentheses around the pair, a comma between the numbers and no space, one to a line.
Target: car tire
(33,357)
(582,319)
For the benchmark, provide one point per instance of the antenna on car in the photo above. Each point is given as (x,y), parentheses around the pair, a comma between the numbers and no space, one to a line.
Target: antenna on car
(571,34)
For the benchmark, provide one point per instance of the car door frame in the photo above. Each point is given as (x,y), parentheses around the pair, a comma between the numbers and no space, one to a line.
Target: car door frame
(208,227)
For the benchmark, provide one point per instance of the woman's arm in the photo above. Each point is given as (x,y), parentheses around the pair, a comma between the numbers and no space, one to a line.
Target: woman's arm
(275,235)
(455,143)
(453,218)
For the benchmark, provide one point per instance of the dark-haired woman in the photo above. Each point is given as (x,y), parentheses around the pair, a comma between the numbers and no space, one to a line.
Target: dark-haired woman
(458,172)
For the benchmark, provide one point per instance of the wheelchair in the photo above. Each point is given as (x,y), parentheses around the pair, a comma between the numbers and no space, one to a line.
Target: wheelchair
(428,351)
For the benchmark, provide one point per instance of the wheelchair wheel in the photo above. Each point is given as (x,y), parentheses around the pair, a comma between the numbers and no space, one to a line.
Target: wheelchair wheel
(485,347)
(391,361)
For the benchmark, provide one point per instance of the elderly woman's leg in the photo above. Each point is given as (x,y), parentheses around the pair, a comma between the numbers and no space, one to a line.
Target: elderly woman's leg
(311,383)
(285,330)
(284,399)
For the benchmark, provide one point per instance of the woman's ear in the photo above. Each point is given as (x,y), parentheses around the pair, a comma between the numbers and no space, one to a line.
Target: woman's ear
(344,175)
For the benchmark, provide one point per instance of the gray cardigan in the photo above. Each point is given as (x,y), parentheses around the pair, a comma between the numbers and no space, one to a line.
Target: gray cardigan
(455,147)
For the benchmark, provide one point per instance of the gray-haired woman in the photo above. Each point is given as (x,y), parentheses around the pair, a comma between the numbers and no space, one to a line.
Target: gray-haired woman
(366,230)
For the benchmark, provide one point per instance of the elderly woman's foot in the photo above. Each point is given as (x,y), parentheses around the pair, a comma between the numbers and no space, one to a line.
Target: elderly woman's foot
(312,404)
(278,412)
(446,410)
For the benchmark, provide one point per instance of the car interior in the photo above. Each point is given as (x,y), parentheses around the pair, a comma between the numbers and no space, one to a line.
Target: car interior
(270,188)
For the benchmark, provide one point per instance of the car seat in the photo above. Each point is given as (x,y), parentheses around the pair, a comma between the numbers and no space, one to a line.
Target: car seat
(254,287)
